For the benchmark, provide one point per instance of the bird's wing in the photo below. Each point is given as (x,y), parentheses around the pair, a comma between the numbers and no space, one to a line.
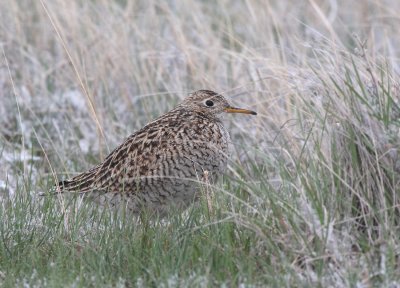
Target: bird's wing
(136,157)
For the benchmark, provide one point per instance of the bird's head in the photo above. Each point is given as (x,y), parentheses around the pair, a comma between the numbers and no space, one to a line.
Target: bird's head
(211,103)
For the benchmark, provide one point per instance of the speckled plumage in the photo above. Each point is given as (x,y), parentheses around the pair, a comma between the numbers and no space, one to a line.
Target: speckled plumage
(161,164)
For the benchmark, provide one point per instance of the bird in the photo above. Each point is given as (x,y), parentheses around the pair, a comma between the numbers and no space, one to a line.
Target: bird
(161,165)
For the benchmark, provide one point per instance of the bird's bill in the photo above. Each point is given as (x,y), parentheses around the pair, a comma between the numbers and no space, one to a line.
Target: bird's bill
(239,110)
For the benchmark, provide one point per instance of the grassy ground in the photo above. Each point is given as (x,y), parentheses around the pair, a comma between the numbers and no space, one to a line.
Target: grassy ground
(311,197)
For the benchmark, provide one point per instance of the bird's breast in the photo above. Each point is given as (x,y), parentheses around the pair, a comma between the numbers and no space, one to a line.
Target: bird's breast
(206,145)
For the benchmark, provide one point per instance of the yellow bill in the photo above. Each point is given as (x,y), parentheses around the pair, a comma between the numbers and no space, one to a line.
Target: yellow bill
(239,110)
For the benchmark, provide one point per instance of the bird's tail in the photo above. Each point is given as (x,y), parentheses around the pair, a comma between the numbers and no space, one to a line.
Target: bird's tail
(82,183)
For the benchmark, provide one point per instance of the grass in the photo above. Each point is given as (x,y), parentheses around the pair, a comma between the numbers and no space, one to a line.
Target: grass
(311,196)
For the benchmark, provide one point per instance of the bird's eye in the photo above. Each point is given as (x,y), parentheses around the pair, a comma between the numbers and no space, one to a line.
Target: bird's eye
(209,103)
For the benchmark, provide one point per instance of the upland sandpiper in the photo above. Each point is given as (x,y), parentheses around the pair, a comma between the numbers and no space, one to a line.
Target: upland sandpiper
(162,164)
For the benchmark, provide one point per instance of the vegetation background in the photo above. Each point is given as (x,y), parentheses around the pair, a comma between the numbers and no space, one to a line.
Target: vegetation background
(311,197)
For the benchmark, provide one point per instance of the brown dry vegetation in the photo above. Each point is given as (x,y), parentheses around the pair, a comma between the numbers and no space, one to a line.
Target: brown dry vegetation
(314,180)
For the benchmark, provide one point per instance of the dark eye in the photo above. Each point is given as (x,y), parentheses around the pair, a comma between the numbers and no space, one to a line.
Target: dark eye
(209,103)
